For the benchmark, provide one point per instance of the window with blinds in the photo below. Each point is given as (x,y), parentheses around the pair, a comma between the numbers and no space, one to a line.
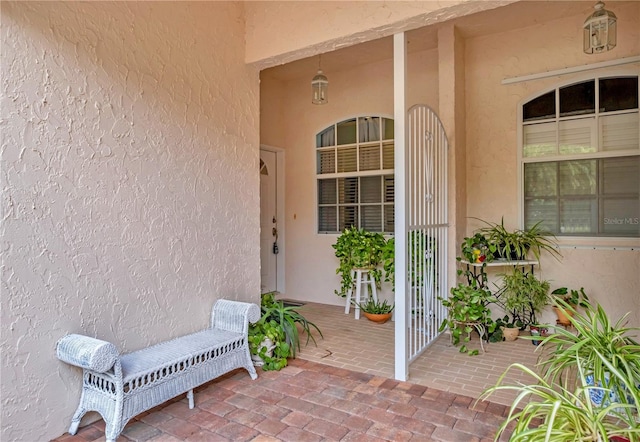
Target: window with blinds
(355,175)
(581,158)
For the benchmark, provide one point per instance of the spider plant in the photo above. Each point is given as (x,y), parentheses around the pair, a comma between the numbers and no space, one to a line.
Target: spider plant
(550,412)
(604,349)
(587,384)
(515,245)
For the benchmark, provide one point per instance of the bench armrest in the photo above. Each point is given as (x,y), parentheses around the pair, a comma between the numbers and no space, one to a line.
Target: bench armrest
(234,316)
(88,353)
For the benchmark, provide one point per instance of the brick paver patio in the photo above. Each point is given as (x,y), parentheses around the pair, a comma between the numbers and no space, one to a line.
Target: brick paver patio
(309,401)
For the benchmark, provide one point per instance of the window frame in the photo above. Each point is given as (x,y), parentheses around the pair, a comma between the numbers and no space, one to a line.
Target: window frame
(381,173)
(574,240)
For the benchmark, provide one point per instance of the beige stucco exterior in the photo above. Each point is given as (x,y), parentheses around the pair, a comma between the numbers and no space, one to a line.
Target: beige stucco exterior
(130,144)
(130,193)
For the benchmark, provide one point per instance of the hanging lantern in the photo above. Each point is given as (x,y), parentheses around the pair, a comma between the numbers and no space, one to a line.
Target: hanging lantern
(599,34)
(319,87)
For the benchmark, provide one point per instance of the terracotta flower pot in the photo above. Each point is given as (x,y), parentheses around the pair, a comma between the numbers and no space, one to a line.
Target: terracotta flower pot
(378,318)
(563,316)
(510,334)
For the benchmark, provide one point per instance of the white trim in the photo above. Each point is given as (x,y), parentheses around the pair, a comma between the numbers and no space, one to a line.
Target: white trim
(399,116)
(280,213)
(572,70)
(628,249)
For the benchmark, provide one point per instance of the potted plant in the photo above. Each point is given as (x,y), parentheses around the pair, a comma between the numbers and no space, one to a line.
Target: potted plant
(267,345)
(468,310)
(587,385)
(572,298)
(275,337)
(358,249)
(477,249)
(608,352)
(505,329)
(515,245)
(523,296)
(510,331)
(377,311)
(551,412)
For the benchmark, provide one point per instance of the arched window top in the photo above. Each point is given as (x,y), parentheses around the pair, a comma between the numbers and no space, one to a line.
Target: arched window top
(606,94)
(356,130)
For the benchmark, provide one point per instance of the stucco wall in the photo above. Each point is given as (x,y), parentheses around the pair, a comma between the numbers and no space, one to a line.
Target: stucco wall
(130,191)
(492,145)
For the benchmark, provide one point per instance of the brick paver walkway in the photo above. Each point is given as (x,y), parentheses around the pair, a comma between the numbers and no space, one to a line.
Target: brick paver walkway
(308,401)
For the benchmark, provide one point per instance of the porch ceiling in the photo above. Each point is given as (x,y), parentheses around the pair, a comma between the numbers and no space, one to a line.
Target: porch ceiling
(514,16)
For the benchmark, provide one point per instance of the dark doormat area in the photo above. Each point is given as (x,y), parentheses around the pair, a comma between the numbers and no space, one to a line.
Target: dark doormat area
(292,303)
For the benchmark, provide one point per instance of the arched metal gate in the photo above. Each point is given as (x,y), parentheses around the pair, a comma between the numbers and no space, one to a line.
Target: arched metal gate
(427,227)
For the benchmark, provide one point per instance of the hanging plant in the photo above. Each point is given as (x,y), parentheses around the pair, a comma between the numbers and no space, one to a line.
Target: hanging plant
(358,249)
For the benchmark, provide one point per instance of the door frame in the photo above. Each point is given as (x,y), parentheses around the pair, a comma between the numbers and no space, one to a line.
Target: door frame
(280,257)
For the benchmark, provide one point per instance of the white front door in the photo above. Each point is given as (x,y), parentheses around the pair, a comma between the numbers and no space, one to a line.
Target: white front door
(269,245)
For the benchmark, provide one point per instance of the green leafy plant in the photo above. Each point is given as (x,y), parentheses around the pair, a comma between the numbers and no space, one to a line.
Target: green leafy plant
(506,322)
(516,244)
(587,383)
(376,307)
(279,323)
(467,307)
(477,249)
(358,249)
(389,261)
(550,412)
(571,297)
(523,296)
(606,350)
(271,330)
(288,318)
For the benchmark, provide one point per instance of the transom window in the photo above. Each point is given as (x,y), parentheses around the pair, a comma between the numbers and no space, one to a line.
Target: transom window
(581,158)
(355,175)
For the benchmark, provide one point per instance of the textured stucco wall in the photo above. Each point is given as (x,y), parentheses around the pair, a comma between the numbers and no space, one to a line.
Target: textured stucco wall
(130,191)
(492,144)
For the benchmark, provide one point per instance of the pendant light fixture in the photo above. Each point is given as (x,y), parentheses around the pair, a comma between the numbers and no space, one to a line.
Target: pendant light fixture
(319,86)
(599,34)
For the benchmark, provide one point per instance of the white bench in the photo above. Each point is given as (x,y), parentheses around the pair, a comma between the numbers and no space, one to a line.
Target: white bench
(120,387)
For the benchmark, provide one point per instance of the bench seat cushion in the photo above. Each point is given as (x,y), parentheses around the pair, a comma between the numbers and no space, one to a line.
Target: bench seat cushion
(205,344)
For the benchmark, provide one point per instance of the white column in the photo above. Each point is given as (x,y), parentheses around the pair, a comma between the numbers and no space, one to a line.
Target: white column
(399,115)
